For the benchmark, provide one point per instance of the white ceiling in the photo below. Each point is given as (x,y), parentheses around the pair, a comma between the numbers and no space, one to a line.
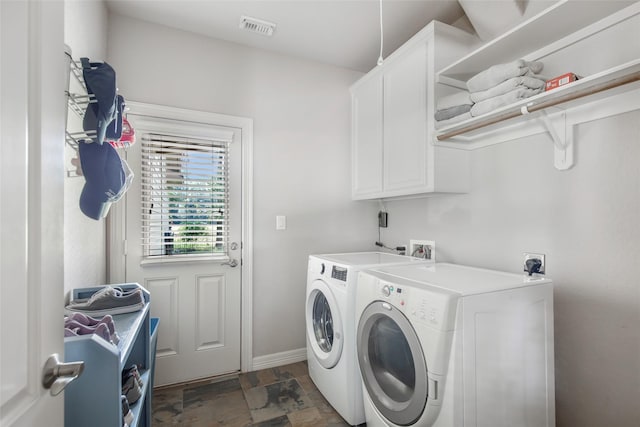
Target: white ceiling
(345,33)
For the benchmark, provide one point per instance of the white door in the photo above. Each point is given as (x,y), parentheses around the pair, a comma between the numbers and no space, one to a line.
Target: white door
(196,296)
(32,82)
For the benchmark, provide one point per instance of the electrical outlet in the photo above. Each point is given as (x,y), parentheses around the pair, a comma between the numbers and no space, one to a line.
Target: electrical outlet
(531,256)
(422,249)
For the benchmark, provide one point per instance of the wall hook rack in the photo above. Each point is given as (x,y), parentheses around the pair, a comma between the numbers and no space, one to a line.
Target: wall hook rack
(78,99)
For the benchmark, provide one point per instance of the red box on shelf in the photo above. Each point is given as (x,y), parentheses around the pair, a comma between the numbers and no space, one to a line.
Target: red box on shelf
(560,81)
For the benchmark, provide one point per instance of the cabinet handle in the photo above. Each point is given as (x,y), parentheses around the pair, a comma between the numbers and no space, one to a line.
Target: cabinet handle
(56,375)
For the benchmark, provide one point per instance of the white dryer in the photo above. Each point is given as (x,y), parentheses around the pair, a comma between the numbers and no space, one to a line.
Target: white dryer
(330,324)
(444,345)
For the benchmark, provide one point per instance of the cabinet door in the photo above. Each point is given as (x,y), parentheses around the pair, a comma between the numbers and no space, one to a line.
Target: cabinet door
(405,124)
(366,145)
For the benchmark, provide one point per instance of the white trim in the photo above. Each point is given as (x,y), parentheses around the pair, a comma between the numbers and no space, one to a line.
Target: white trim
(117,218)
(246,343)
(279,359)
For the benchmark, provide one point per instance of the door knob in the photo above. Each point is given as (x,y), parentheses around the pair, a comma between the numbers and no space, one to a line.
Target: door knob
(56,375)
(231,263)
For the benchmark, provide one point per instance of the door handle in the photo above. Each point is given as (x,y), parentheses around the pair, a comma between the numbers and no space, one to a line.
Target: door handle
(231,263)
(56,375)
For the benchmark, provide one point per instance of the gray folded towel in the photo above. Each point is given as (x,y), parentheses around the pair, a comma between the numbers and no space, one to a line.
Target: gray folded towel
(453,100)
(442,123)
(491,104)
(496,74)
(526,82)
(448,113)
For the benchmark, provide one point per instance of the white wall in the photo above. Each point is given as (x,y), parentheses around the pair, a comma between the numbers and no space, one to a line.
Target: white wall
(85,31)
(301,113)
(587,221)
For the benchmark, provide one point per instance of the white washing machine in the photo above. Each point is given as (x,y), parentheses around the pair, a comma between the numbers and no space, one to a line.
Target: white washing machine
(444,345)
(330,320)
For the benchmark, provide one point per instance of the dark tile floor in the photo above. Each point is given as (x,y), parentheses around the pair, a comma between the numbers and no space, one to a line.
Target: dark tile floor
(283,396)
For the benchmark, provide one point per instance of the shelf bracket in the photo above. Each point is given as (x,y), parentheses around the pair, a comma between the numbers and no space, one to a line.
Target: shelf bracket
(562,140)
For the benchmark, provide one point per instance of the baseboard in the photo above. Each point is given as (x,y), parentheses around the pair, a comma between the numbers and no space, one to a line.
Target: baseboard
(279,359)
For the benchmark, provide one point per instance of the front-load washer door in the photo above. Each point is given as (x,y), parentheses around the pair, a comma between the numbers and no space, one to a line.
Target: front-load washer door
(392,364)
(324,326)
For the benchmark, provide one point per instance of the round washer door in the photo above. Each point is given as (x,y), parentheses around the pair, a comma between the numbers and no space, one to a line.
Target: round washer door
(324,327)
(392,364)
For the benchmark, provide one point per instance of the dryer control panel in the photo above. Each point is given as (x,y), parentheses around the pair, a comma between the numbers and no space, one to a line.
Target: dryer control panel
(434,309)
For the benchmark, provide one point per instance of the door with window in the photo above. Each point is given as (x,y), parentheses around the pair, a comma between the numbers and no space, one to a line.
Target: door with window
(183,241)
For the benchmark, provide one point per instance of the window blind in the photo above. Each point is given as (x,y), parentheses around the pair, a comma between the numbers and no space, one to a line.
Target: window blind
(185,196)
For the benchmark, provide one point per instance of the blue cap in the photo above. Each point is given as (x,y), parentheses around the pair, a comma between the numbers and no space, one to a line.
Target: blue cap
(114,130)
(100,79)
(104,175)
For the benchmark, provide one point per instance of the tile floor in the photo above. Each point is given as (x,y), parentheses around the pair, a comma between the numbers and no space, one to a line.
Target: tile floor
(283,396)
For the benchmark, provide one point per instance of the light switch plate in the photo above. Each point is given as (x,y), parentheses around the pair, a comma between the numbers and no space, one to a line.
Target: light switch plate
(281,222)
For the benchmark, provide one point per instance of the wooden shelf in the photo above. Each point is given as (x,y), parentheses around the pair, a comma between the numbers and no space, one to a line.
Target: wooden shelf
(610,82)
(554,23)
(561,37)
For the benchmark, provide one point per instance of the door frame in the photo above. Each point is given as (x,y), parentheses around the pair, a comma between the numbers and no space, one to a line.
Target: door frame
(116,224)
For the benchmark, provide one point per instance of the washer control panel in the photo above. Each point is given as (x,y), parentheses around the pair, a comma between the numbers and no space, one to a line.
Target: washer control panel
(339,273)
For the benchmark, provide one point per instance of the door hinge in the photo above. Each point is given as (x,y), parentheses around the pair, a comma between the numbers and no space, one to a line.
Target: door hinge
(125,248)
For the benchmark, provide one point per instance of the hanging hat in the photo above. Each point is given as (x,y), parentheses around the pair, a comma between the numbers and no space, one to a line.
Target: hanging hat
(114,130)
(100,80)
(128,136)
(105,178)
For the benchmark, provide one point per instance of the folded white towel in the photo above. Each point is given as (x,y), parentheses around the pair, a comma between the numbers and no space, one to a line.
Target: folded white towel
(491,104)
(526,82)
(448,113)
(442,123)
(496,74)
(453,100)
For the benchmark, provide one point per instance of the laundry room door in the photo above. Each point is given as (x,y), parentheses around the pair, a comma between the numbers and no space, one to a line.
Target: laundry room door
(32,105)
(183,239)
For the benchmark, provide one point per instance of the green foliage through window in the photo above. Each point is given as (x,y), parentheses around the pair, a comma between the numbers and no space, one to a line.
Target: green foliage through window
(185,196)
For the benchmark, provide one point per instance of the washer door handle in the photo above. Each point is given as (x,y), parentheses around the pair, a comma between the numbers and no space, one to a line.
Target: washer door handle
(386,306)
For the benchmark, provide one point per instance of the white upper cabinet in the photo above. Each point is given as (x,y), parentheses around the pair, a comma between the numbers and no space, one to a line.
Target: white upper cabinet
(392,121)
(405,122)
(367,138)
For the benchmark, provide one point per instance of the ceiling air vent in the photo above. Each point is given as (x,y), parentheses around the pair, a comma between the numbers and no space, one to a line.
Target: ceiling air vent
(257,25)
